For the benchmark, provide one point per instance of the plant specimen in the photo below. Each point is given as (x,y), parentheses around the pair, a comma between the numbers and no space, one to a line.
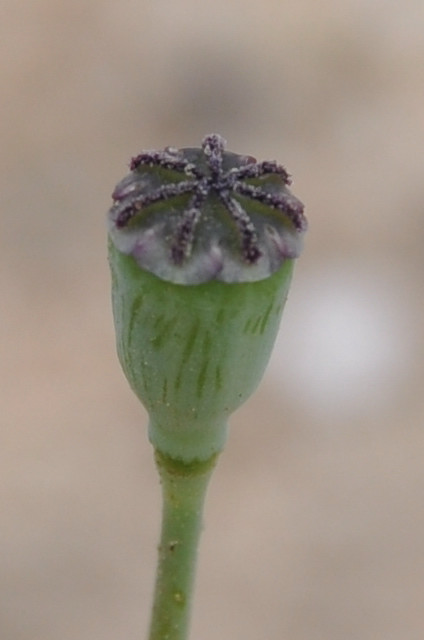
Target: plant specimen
(202,244)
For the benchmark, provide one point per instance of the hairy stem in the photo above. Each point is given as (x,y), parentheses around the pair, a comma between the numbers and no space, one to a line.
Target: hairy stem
(183,488)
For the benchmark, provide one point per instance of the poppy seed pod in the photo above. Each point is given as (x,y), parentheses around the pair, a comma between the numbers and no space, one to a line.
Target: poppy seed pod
(201,249)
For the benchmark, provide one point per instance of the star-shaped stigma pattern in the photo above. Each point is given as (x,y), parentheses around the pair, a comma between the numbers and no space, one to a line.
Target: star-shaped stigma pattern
(199,175)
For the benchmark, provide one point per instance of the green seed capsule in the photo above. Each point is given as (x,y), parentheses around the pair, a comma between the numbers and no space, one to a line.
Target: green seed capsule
(201,248)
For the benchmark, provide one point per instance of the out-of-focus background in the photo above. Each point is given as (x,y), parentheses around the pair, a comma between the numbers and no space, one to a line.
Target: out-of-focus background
(315,519)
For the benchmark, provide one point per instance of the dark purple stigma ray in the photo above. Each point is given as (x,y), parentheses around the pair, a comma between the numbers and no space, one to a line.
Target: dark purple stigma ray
(126,210)
(182,244)
(284,202)
(184,237)
(259,169)
(249,240)
(167,159)
(213,147)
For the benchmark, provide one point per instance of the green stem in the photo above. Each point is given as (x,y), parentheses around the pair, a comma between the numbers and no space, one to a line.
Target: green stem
(183,488)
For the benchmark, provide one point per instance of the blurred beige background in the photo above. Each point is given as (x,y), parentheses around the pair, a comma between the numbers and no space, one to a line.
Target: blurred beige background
(315,525)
